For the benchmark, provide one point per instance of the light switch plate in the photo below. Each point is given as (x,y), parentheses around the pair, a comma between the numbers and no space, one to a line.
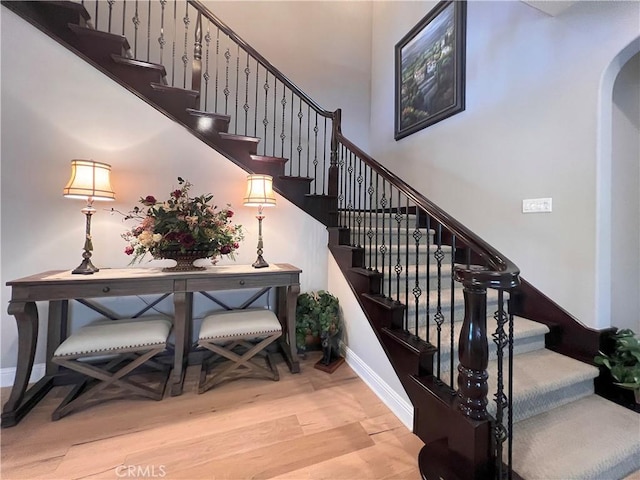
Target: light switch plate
(537,205)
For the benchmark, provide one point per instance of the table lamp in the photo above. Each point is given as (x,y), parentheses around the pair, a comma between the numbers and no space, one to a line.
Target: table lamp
(260,194)
(89,181)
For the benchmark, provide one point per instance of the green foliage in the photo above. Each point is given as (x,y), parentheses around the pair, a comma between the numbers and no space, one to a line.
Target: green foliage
(624,362)
(316,313)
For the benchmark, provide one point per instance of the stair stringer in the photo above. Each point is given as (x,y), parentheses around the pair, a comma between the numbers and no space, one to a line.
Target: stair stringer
(436,419)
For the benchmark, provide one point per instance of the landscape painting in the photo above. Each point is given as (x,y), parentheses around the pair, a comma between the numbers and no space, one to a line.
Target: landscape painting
(430,69)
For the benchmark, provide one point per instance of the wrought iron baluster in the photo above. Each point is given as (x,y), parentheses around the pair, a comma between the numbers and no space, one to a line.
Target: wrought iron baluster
(370,209)
(406,270)
(290,162)
(185,56)
(217,80)
(428,278)
(390,237)
(377,217)
(136,23)
(452,318)
(299,147)
(383,246)
(350,198)
(501,340)
(95,17)
(110,3)
(246,107)
(439,317)
(124,15)
(255,116)
(275,115)
(359,180)
(265,120)
(324,157)
(308,135)
(206,76)
(226,91)
(417,291)
(315,155)
(510,396)
(148,29)
(196,66)
(341,186)
(398,267)
(283,136)
(235,120)
(173,47)
(161,40)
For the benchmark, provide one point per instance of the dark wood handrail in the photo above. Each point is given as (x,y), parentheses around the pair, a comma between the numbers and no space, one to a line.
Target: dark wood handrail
(505,274)
(263,61)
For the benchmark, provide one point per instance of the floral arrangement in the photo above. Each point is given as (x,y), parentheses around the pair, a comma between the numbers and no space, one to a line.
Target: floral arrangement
(182,224)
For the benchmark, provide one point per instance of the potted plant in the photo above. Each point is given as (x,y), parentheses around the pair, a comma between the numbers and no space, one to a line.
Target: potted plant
(624,361)
(318,323)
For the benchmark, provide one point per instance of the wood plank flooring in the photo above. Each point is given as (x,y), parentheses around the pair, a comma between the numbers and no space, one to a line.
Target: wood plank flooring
(312,425)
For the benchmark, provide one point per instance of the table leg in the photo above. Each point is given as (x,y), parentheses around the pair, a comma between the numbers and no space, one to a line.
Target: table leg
(57,331)
(19,404)
(290,348)
(183,305)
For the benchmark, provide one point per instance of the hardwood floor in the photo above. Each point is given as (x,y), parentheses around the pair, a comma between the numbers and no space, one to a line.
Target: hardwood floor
(308,426)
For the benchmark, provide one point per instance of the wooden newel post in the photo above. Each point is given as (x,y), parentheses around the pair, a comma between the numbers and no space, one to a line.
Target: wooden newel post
(473,354)
(196,69)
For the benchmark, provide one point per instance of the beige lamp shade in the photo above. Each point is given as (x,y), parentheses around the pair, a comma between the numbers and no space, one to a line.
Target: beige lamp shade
(89,179)
(259,191)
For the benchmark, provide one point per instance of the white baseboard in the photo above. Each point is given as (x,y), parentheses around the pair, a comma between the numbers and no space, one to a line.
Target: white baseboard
(398,405)
(8,375)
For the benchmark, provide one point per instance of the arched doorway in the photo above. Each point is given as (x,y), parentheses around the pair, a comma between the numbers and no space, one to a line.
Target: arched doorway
(618,193)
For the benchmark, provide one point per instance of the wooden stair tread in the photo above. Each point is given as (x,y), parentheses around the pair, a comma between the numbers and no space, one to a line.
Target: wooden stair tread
(384,302)
(139,63)
(242,138)
(269,159)
(166,88)
(202,113)
(99,34)
(412,342)
(298,179)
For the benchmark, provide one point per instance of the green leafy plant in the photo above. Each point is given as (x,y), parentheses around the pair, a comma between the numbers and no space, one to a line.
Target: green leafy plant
(317,313)
(624,361)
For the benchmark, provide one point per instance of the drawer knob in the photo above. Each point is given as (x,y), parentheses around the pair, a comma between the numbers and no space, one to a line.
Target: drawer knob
(106,289)
(241,282)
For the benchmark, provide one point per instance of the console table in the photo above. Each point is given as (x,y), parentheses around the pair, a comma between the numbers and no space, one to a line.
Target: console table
(58,287)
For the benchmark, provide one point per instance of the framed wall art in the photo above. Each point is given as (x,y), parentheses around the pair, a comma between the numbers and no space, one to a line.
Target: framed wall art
(430,69)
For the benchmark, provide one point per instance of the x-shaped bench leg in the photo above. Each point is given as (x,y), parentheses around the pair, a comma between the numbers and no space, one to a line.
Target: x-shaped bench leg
(237,361)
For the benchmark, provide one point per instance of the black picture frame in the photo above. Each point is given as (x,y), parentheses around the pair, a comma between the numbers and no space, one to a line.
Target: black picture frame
(430,69)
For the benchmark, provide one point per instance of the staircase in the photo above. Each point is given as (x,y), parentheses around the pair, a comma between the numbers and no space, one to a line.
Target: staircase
(522,403)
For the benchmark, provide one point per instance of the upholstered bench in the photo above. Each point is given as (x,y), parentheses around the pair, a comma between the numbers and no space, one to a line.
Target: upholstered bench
(248,332)
(127,344)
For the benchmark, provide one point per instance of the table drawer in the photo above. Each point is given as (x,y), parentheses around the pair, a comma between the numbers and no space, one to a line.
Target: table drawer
(116,288)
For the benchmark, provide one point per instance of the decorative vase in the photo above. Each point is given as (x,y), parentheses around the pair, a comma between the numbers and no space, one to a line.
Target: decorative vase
(184,260)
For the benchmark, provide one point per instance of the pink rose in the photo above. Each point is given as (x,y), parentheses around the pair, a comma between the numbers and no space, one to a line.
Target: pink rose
(149,200)
(229,213)
(128,250)
(176,194)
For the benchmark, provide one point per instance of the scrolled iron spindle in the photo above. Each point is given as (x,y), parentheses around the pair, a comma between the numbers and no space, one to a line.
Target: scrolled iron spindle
(185,56)
(501,340)
(161,39)
(196,65)
(417,291)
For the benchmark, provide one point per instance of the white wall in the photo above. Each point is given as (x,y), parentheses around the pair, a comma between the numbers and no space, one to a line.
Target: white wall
(625,198)
(324,47)
(530,129)
(55,108)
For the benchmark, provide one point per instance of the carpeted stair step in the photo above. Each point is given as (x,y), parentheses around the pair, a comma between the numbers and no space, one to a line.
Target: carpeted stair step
(591,438)
(528,336)
(543,380)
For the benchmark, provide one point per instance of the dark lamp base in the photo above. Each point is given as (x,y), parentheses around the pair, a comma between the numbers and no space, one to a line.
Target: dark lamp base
(260,263)
(86,268)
